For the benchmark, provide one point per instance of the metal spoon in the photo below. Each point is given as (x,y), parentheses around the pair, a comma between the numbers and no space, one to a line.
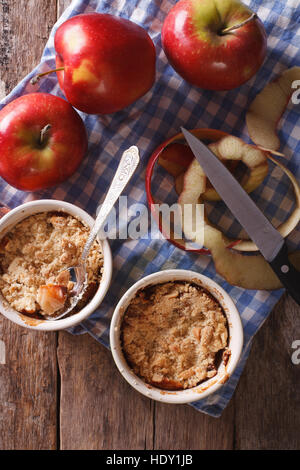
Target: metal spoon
(78,274)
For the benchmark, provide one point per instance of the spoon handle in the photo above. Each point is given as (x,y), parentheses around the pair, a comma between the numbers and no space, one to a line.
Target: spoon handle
(127,166)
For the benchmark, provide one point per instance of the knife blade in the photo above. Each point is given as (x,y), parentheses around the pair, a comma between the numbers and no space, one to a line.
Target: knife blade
(268,240)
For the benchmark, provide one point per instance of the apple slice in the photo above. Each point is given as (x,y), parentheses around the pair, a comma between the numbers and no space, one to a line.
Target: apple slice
(267,108)
(51,298)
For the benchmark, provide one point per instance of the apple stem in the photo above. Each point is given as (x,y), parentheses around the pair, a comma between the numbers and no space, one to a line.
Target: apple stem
(44,133)
(35,79)
(237,26)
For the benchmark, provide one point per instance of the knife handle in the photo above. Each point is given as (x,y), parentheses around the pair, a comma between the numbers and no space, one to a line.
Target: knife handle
(287,273)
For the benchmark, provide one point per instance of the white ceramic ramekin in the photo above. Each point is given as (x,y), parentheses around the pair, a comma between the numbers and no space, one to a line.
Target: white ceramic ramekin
(224,371)
(9,220)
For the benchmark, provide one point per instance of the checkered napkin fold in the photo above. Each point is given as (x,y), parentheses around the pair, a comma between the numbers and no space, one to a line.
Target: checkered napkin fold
(158,115)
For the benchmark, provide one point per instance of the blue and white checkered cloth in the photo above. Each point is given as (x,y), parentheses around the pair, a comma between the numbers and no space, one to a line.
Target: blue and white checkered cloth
(158,115)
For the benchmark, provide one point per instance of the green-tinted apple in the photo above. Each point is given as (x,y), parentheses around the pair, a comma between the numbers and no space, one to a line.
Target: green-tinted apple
(214,44)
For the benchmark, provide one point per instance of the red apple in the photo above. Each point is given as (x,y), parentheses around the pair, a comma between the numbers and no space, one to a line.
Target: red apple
(108,62)
(42,141)
(215,45)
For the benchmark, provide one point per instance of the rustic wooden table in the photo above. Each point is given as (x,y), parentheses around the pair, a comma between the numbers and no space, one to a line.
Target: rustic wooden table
(63,392)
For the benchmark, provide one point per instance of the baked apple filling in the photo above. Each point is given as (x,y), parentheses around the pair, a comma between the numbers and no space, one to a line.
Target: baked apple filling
(173,335)
(33,257)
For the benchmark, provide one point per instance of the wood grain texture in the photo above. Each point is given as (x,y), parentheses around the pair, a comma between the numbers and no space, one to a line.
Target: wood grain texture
(182,427)
(98,409)
(129,422)
(61,6)
(28,389)
(267,401)
(25,27)
(28,374)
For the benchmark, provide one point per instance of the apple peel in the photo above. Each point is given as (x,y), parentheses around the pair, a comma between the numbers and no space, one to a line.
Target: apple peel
(292,221)
(230,150)
(234,149)
(249,272)
(256,160)
(205,134)
(267,108)
(179,183)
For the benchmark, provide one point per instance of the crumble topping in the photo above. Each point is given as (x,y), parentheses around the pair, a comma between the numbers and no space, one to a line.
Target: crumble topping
(34,252)
(172,333)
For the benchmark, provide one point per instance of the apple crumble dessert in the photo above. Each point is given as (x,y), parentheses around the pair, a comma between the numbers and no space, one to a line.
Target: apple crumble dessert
(173,335)
(33,256)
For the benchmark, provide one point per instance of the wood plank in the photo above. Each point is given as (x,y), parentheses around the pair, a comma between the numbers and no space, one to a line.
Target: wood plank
(22,39)
(61,6)
(182,427)
(28,398)
(267,401)
(28,371)
(98,409)
(186,428)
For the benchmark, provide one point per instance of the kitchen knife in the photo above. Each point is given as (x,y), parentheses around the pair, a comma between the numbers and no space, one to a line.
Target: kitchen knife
(268,240)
